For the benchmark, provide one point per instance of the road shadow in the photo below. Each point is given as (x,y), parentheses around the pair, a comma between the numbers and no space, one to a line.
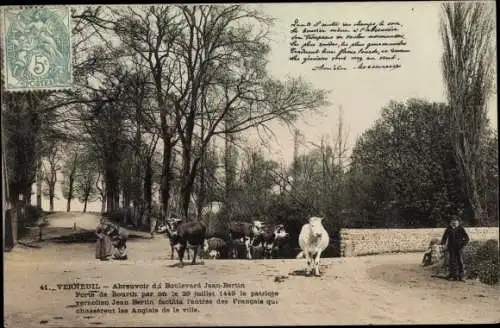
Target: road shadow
(299,273)
(84,237)
(445,278)
(179,265)
(28,244)
(303,273)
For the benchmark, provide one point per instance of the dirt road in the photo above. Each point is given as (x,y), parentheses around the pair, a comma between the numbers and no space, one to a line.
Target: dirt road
(385,289)
(67,220)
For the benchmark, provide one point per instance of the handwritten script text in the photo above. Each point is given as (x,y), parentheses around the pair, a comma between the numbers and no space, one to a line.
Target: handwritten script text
(341,46)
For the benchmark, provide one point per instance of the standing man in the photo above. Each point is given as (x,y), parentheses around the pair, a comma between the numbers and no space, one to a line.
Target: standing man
(455,237)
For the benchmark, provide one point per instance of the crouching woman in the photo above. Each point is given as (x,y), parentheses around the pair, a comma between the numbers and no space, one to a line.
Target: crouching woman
(119,239)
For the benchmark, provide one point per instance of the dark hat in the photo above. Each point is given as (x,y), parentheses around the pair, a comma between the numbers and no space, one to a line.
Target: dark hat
(455,218)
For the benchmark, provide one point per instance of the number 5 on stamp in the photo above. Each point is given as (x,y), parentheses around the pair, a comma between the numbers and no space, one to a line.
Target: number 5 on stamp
(37,49)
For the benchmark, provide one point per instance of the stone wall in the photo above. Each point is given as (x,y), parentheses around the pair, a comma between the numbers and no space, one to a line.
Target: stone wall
(355,242)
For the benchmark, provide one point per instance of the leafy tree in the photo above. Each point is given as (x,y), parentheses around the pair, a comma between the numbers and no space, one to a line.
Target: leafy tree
(467,31)
(488,187)
(407,163)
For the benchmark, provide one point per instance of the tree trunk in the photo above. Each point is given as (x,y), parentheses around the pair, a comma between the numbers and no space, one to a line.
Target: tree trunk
(201,194)
(51,201)
(102,192)
(166,176)
(28,197)
(186,186)
(15,213)
(116,200)
(70,192)
(85,203)
(185,199)
(126,198)
(7,208)
(229,169)
(39,178)
(112,188)
(68,205)
(148,190)
(103,204)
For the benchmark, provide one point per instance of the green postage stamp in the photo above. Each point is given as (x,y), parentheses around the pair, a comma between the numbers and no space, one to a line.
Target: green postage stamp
(37,49)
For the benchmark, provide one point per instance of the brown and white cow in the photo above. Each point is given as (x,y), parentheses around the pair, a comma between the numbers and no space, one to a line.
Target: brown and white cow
(243,233)
(170,229)
(190,234)
(271,240)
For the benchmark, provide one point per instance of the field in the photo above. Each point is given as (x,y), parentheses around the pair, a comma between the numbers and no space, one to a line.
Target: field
(380,289)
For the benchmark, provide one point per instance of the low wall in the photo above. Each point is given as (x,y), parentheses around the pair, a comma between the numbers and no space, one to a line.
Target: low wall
(354,242)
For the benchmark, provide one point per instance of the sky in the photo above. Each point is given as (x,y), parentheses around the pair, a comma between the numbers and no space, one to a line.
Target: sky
(360,94)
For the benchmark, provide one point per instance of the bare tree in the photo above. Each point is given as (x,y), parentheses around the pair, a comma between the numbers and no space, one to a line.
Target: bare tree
(224,60)
(70,172)
(149,34)
(467,33)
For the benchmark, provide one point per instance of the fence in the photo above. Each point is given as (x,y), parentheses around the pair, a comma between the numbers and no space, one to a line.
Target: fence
(355,242)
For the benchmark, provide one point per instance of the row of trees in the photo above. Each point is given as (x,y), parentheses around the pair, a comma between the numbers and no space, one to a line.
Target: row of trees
(401,173)
(155,88)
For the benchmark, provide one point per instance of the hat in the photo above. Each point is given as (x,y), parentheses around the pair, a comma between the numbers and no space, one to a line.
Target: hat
(455,218)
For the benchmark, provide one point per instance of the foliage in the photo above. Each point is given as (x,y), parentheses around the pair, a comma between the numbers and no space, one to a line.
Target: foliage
(188,77)
(403,172)
(30,218)
(23,132)
(481,261)
(468,36)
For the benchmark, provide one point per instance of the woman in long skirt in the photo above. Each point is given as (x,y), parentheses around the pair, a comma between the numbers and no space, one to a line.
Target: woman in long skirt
(103,244)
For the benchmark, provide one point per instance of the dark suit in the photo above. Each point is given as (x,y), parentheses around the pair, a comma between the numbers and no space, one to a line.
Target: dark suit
(456,239)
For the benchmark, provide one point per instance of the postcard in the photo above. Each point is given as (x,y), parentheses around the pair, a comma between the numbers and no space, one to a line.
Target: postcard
(249,164)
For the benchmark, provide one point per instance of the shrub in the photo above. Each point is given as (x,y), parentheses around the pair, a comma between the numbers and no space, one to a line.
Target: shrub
(30,219)
(481,260)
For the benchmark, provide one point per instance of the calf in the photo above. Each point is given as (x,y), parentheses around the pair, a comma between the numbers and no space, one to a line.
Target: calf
(189,234)
(214,247)
(313,240)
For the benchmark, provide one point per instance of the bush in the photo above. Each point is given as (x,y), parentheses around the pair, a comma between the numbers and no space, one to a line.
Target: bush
(482,262)
(32,215)
(30,219)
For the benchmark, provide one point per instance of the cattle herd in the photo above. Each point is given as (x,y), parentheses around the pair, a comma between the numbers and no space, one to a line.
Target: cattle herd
(244,240)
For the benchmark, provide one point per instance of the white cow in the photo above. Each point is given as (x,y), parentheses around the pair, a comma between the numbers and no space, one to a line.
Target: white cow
(313,240)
